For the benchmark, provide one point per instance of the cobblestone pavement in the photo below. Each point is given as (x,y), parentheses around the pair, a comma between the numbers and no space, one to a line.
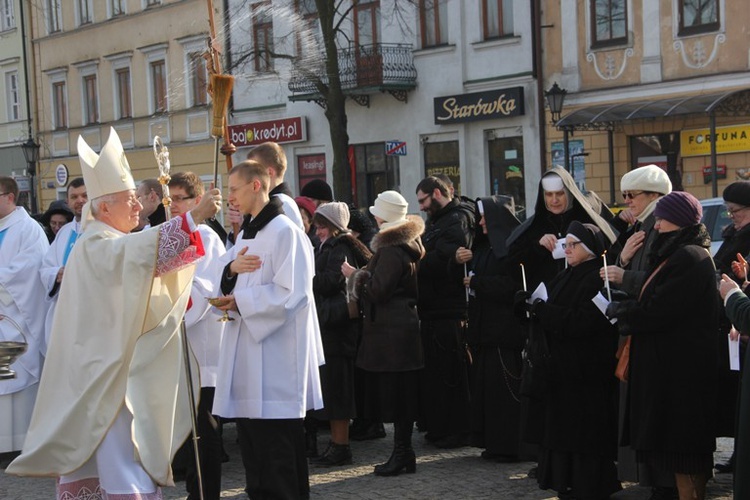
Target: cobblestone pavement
(441,474)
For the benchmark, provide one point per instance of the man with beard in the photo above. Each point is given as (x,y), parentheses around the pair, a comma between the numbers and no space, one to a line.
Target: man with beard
(54,262)
(442,313)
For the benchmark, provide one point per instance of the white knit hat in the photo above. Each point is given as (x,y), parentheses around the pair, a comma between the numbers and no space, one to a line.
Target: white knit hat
(335,212)
(107,172)
(649,178)
(390,206)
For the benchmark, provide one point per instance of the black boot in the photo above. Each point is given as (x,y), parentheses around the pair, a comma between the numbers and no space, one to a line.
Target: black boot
(336,454)
(402,459)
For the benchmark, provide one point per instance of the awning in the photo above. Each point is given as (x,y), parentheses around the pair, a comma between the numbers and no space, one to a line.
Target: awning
(736,102)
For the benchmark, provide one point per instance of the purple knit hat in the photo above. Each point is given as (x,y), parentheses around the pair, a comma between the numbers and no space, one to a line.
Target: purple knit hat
(680,208)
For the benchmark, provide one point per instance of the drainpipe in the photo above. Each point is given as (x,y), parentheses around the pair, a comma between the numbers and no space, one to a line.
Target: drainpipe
(538,74)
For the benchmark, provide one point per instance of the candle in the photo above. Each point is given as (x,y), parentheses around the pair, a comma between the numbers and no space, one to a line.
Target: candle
(606,276)
(466,275)
(523,277)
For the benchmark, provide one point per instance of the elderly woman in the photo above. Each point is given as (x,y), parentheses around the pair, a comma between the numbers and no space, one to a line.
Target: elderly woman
(672,372)
(577,450)
(391,349)
(494,335)
(338,331)
(641,189)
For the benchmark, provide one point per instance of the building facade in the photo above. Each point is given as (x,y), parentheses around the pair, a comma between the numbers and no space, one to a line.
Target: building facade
(134,65)
(15,122)
(650,82)
(431,87)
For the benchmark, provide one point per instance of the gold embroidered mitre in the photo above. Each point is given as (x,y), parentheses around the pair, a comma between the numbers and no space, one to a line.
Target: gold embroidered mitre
(108,172)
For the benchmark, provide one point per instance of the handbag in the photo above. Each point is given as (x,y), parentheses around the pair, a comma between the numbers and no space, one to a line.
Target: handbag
(623,352)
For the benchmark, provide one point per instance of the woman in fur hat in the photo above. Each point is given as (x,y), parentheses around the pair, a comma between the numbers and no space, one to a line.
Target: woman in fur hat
(577,449)
(391,349)
(337,330)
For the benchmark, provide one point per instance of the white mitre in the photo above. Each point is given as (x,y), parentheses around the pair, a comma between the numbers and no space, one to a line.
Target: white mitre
(105,173)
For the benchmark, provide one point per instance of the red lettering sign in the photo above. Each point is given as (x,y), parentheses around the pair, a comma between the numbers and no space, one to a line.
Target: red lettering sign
(282,131)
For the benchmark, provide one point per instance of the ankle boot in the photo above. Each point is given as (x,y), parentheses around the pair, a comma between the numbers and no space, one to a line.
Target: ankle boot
(335,455)
(403,458)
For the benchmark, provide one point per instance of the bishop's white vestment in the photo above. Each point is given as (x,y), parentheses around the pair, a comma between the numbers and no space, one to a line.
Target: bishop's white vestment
(116,343)
(23,245)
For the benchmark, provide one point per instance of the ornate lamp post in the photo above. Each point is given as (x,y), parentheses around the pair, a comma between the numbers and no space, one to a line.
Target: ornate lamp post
(555,99)
(31,153)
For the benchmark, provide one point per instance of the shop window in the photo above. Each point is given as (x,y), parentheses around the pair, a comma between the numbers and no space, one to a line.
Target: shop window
(507,170)
(442,158)
(698,16)
(375,171)
(497,18)
(609,22)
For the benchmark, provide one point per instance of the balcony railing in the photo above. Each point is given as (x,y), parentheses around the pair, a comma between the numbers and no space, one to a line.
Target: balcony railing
(363,69)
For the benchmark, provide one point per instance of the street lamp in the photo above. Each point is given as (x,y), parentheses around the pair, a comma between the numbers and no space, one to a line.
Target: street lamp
(555,98)
(31,153)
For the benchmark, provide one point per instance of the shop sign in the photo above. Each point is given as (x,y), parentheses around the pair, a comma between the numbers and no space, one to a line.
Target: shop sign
(282,131)
(721,173)
(503,103)
(731,139)
(23,182)
(395,148)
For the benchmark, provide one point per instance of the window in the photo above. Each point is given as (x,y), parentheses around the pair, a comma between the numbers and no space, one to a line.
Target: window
(609,24)
(152,3)
(507,169)
(60,104)
(84,11)
(263,37)
(122,85)
(497,18)
(376,172)
(698,16)
(366,22)
(12,97)
(54,16)
(90,100)
(158,74)
(198,78)
(433,21)
(7,19)
(116,8)
(310,37)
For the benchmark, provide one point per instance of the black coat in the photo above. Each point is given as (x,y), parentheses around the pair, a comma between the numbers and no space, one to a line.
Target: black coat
(337,330)
(734,242)
(672,382)
(441,290)
(580,408)
(387,289)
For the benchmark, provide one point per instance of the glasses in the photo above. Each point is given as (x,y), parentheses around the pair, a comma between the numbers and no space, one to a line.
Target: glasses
(572,245)
(178,199)
(424,199)
(631,194)
(732,211)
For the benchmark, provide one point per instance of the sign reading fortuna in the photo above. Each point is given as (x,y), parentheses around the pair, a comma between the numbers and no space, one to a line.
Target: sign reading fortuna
(503,103)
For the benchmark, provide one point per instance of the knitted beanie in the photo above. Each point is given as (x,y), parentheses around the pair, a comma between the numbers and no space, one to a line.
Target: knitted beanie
(680,208)
(738,192)
(337,213)
(390,206)
(306,204)
(317,190)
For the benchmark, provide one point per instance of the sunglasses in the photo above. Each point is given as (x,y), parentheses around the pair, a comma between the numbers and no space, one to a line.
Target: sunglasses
(631,194)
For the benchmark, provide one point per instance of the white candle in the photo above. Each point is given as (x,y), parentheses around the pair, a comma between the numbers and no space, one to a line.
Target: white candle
(466,275)
(606,276)
(523,277)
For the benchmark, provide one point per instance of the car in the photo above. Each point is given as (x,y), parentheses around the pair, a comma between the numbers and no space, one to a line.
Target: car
(715,218)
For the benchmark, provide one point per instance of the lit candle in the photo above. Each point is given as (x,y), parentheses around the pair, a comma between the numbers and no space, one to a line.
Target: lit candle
(606,276)
(523,277)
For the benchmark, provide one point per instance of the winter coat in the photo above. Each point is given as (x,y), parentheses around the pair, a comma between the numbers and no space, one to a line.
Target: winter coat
(672,381)
(734,242)
(387,289)
(338,331)
(580,407)
(441,290)
(636,271)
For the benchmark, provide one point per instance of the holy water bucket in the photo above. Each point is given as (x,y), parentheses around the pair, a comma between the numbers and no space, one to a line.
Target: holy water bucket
(10,350)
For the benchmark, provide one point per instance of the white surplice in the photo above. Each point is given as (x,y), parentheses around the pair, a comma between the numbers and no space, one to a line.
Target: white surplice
(53,261)
(22,249)
(270,355)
